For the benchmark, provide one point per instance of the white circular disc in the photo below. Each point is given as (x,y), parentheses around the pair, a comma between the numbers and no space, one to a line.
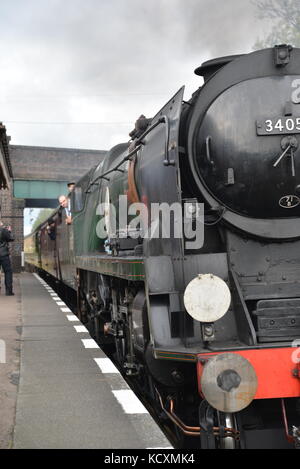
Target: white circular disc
(207,298)
(231,398)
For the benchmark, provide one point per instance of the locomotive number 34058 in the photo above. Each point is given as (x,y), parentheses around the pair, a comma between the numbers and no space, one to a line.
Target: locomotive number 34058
(282,124)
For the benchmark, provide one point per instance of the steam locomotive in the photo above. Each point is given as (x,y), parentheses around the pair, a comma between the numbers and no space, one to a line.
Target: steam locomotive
(210,326)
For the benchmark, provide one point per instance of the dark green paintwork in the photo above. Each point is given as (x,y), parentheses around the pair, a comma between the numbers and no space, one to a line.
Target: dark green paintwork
(85,221)
(130,268)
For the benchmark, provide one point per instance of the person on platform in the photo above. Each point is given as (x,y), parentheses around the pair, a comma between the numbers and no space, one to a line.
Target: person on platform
(5,238)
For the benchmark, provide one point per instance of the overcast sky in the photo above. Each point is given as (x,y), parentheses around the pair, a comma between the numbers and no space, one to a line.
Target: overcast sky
(78,73)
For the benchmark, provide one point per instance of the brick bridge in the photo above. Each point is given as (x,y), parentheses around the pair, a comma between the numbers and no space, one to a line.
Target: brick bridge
(34,177)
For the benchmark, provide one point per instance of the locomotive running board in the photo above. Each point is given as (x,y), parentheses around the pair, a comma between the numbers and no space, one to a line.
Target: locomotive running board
(129,268)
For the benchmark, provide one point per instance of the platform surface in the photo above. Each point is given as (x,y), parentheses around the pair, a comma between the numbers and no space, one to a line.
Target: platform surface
(10,331)
(70,395)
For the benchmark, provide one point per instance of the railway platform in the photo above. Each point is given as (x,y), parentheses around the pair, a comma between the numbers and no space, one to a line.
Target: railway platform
(59,389)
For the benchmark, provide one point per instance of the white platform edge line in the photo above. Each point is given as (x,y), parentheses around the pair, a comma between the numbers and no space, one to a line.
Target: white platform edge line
(66,310)
(129,402)
(72,317)
(161,447)
(106,366)
(90,343)
(80,329)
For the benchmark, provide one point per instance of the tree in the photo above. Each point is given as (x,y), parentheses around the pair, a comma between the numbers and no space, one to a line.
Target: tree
(42,216)
(286,17)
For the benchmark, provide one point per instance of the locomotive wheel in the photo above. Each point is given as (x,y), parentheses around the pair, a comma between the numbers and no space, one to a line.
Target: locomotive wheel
(82,306)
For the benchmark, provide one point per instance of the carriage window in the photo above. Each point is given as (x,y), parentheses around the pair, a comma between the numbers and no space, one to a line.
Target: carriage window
(78,199)
(37,240)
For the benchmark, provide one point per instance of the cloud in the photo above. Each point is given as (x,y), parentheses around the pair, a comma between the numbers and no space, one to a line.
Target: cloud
(107,61)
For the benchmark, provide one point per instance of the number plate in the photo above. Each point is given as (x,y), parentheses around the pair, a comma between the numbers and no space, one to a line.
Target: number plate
(278,126)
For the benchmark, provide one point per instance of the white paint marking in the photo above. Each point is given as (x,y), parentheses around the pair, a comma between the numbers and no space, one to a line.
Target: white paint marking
(61,303)
(80,329)
(130,403)
(72,317)
(89,343)
(162,447)
(106,365)
(66,310)
(55,298)
(53,294)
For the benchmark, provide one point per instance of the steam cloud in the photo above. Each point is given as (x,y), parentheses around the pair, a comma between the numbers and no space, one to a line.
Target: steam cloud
(107,61)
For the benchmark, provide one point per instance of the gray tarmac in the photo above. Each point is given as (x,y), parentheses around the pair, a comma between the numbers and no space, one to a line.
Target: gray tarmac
(65,400)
